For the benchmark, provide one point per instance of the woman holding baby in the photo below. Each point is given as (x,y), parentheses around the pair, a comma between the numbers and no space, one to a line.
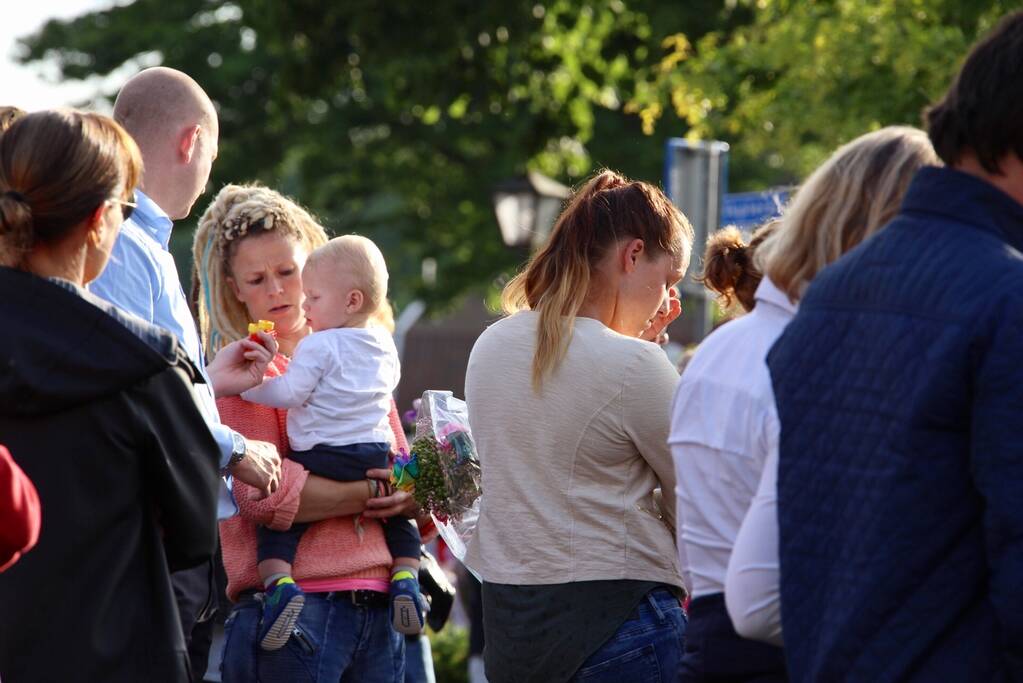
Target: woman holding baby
(324,612)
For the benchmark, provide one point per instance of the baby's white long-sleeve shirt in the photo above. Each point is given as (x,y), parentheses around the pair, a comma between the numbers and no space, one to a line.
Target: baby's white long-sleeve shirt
(337,388)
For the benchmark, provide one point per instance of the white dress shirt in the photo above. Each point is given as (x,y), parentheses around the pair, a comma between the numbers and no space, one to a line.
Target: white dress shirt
(337,388)
(753,581)
(724,424)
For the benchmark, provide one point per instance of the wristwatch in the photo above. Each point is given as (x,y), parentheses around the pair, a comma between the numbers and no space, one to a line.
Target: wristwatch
(237,450)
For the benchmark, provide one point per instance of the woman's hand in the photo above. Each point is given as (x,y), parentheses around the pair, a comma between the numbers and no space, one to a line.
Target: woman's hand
(325,498)
(241,365)
(392,503)
(657,332)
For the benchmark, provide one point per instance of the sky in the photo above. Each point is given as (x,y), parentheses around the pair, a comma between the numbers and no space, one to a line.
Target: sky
(33,87)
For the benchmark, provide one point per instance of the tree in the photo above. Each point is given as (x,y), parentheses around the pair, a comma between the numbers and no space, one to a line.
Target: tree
(803,77)
(396,119)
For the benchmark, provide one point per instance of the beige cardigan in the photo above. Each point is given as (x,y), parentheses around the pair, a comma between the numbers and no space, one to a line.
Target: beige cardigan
(568,474)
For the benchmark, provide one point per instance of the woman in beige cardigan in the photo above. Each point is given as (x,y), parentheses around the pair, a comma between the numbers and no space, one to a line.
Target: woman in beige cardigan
(570,411)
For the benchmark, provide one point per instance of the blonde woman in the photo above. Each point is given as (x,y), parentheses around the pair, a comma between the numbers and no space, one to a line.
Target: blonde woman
(570,413)
(249,251)
(724,423)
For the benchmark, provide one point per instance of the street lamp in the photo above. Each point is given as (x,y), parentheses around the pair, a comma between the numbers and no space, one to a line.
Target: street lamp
(527,207)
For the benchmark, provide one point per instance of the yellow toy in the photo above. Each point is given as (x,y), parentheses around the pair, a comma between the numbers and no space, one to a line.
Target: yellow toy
(260,326)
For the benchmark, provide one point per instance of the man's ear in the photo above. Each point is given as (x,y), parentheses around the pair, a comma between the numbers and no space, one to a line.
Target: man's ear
(187,143)
(354,301)
(631,253)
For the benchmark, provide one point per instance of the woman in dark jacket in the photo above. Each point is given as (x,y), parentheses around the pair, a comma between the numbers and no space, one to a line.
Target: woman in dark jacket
(99,409)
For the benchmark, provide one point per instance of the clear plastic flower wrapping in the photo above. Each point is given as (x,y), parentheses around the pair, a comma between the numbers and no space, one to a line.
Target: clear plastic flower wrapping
(443,469)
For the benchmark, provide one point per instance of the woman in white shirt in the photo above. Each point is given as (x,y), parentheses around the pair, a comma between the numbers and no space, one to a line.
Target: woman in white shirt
(724,423)
(569,410)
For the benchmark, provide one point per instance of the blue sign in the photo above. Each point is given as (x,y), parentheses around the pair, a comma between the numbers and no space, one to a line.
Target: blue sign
(749,209)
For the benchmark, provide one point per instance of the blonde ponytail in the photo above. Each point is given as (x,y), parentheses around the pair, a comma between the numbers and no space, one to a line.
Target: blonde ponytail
(607,209)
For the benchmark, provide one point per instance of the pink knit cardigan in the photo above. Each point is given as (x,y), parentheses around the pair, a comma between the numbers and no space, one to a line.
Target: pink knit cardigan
(329,549)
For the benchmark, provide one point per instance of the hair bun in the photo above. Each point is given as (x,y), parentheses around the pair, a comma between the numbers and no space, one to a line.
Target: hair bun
(724,262)
(15,225)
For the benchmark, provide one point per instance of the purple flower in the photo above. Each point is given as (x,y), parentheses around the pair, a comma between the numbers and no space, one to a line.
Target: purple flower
(402,458)
(409,416)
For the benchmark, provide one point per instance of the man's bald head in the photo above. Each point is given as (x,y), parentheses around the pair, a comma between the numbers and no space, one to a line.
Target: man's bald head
(175,125)
(158,102)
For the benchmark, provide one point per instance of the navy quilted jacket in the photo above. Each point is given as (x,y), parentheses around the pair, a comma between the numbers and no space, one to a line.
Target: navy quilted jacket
(900,392)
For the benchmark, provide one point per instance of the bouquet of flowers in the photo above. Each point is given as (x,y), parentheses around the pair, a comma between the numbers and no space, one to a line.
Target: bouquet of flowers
(442,469)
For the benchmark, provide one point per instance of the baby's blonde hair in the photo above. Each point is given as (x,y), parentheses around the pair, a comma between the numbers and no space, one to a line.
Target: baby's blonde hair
(360,258)
(384,317)
(235,214)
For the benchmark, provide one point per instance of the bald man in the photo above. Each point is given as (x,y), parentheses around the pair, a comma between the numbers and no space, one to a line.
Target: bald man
(175,126)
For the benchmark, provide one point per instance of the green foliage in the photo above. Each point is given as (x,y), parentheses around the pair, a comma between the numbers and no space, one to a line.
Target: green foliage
(804,77)
(395,119)
(450,654)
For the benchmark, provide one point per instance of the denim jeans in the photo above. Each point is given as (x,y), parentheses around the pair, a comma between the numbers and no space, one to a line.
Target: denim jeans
(418,660)
(334,641)
(647,647)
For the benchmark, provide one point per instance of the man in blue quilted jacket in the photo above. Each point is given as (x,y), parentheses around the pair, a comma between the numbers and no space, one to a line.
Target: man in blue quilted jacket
(900,391)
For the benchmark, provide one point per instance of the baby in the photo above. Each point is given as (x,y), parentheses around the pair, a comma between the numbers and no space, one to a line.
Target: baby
(338,389)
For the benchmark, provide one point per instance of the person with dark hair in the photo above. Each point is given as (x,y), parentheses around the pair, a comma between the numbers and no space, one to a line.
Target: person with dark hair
(569,409)
(899,388)
(100,408)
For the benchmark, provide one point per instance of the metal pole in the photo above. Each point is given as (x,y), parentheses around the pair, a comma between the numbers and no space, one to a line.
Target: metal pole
(695,180)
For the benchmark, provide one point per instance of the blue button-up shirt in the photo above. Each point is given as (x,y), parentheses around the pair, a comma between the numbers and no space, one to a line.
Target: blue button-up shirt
(141,278)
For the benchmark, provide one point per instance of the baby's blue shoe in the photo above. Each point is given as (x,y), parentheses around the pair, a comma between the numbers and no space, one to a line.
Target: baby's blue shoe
(282,604)
(407,613)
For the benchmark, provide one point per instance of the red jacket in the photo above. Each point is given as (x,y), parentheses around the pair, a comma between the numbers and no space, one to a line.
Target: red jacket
(19,511)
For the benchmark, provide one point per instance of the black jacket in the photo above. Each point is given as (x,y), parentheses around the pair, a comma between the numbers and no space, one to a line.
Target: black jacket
(98,409)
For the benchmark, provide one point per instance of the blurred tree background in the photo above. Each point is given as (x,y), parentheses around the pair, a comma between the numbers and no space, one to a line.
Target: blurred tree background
(396,119)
